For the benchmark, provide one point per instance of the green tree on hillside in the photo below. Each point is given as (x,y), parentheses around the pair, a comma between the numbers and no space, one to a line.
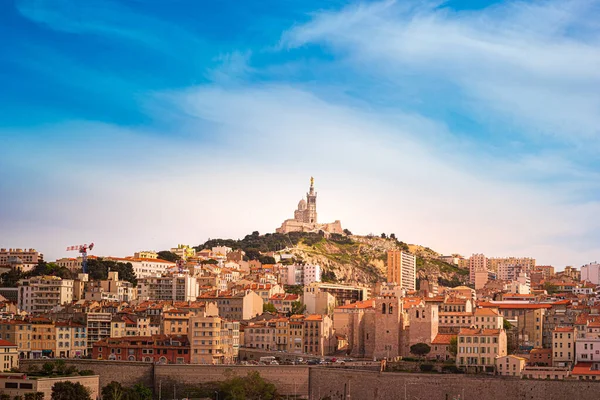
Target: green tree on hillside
(168,256)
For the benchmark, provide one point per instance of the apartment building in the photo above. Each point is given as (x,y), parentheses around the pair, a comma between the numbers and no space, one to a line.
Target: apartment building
(478,348)
(402,269)
(283,302)
(19,333)
(146,267)
(343,294)
(213,340)
(477,263)
(563,346)
(71,340)
(98,326)
(261,335)
(9,354)
(43,338)
(160,349)
(111,289)
(296,334)
(176,321)
(510,365)
(297,274)
(236,307)
(173,287)
(22,256)
(42,294)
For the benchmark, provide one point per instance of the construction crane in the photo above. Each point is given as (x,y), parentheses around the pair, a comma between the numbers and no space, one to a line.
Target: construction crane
(83,250)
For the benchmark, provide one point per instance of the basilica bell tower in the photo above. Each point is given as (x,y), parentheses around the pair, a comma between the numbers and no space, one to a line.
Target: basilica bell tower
(311,200)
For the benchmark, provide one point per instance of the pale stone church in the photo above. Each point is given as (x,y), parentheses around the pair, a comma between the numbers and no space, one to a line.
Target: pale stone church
(305,217)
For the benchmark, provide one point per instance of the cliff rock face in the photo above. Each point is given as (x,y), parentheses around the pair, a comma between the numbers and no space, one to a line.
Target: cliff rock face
(363,259)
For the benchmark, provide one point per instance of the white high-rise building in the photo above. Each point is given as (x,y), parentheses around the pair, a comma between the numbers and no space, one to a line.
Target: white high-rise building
(42,294)
(175,287)
(402,269)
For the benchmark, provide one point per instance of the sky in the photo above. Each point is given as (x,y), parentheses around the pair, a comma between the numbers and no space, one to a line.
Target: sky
(465,126)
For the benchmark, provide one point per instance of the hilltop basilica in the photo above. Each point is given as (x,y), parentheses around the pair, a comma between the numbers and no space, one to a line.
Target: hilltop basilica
(305,217)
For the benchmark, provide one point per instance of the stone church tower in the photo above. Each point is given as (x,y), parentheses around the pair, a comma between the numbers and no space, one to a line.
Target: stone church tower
(305,217)
(311,197)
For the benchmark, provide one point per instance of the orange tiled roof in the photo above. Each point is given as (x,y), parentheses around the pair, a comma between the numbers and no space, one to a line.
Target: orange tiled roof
(358,305)
(442,339)
(479,332)
(564,329)
(584,368)
(487,312)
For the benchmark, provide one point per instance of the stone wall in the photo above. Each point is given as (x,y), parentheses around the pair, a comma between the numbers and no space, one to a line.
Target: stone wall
(127,373)
(345,384)
(288,379)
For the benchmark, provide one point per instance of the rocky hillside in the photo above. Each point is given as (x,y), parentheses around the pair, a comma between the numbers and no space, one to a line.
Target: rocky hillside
(348,259)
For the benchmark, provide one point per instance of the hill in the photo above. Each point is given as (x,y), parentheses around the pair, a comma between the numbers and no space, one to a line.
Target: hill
(345,259)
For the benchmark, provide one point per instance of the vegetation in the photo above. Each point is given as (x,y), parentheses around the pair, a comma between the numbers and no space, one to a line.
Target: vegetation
(550,288)
(98,269)
(426,367)
(420,349)
(253,386)
(294,289)
(70,391)
(168,256)
(56,368)
(269,307)
(115,391)
(298,308)
(453,348)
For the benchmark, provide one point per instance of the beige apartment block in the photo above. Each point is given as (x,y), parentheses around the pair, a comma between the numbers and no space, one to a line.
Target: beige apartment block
(24,256)
(510,365)
(478,348)
(42,294)
(213,340)
(71,341)
(9,355)
(19,333)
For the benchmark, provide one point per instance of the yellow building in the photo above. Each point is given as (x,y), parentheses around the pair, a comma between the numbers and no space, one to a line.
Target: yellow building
(563,346)
(19,333)
(213,340)
(175,321)
(282,333)
(43,338)
(9,354)
(71,341)
(296,334)
(510,365)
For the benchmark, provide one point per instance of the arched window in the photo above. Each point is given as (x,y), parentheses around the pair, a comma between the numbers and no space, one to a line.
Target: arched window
(383,308)
(417,313)
(390,308)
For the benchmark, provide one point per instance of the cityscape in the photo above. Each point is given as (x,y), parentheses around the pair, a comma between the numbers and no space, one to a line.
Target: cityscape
(299,200)
(229,305)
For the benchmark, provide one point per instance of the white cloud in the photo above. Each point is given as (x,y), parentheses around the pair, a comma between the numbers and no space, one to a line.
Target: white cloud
(536,66)
(371,172)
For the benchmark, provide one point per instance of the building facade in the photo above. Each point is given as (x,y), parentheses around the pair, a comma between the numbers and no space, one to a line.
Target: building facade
(402,269)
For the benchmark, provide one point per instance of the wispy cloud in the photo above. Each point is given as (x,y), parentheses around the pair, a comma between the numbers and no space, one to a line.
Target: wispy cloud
(524,65)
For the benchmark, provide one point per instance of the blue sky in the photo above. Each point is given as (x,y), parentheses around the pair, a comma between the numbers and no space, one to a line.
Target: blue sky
(466,126)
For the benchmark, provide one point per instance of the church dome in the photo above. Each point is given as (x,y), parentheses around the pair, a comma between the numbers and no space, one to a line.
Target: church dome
(302,205)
